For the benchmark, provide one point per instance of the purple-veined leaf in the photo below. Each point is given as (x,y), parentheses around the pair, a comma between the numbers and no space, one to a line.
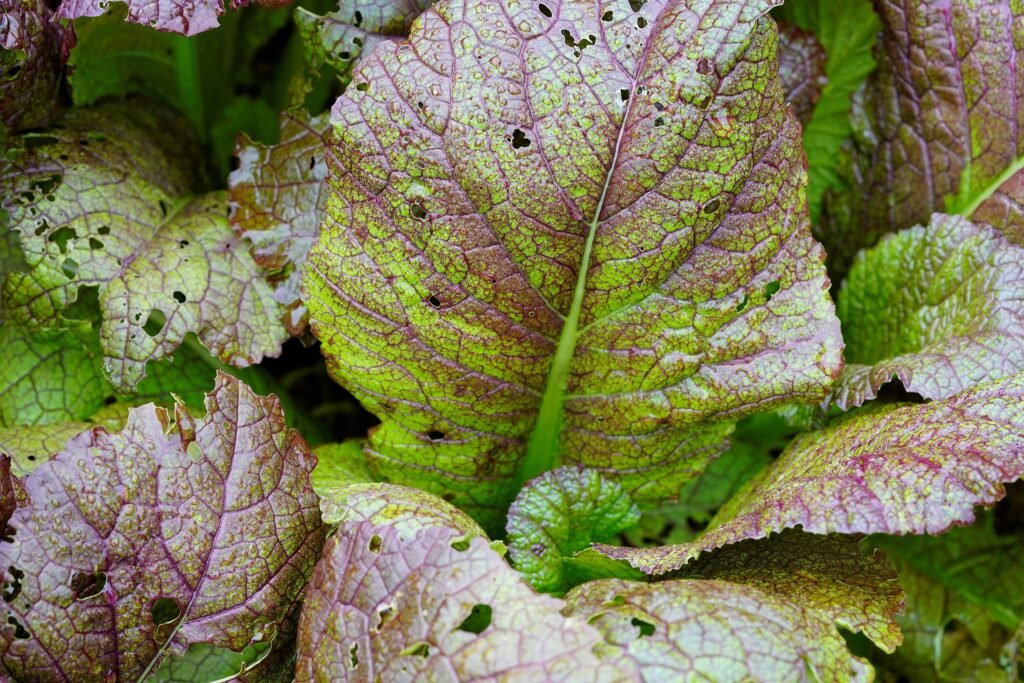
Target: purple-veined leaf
(938,123)
(186,17)
(33,50)
(896,469)
(941,308)
(436,605)
(279,192)
(174,531)
(758,610)
(568,233)
(105,200)
(801,70)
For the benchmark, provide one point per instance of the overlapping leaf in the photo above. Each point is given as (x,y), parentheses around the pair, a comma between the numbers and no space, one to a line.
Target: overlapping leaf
(141,542)
(340,37)
(559,514)
(759,611)
(103,200)
(33,50)
(801,70)
(583,231)
(939,125)
(953,313)
(186,17)
(279,192)
(847,31)
(384,607)
(278,195)
(965,603)
(908,469)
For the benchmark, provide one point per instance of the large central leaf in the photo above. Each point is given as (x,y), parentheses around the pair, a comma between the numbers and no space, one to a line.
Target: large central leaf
(569,232)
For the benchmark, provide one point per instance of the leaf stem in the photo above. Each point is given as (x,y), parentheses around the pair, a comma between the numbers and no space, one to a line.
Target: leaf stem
(186,60)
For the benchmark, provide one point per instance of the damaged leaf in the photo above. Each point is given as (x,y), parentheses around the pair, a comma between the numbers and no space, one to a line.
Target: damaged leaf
(168,533)
(105,201)
(549,246)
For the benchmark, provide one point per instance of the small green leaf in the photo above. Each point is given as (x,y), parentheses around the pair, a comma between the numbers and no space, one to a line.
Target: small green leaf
(559,514)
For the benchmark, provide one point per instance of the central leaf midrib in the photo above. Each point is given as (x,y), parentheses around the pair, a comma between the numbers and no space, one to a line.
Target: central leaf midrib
(544,445)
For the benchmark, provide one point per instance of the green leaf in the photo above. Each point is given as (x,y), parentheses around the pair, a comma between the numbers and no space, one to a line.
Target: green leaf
(104,201)
(756,441)
(176,530)
(339,465)
(559,514)
(938,308)
(204,663)
(759,610)
(898,469)
(611,294)
(52,376)
(435,605)
(965,598)
(848,31)
(201,76)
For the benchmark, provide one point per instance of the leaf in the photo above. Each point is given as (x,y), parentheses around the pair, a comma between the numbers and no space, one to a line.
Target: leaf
(801,70)
(435,606)
(405,509)
(202,662)
(12,495)
(897,469)
(33,50)
(185,17)
(937,307)
(759,611)
(847,30)
(340,37)
(965,601)
(559,514)
(606,295)
(103,202)
(339,465)
(278,195)
(51,376)
(142,542)
(200,76)
(757,440)
(936,139)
